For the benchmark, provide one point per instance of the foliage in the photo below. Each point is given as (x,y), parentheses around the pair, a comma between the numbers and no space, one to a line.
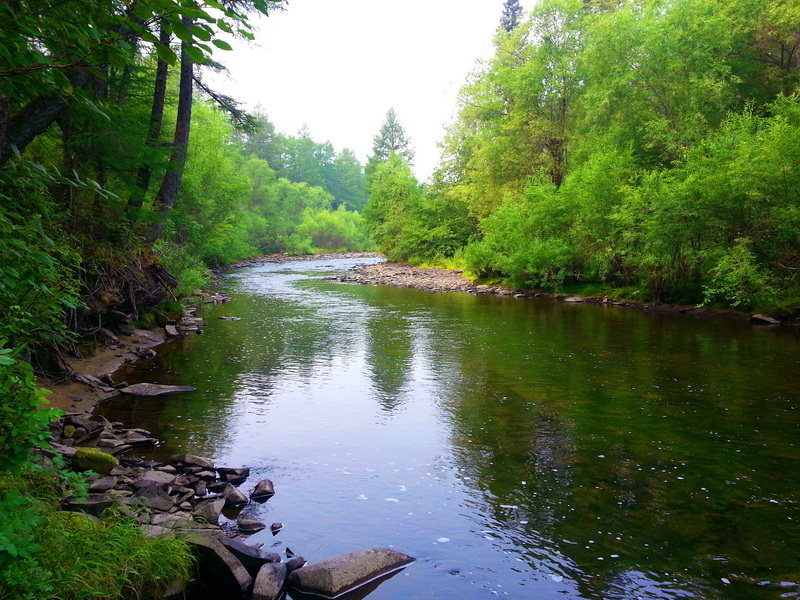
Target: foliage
(47,553)
(339,230)
(644,145)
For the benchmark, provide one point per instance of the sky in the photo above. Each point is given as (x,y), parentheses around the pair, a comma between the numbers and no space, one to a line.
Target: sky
(339,65)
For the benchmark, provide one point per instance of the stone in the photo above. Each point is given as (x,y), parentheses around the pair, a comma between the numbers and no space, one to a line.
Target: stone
(275,528)
(153,497)
(270,581)
(230,318)
(209,510)
(236,476)
(298,562)
(190,459)
(92,459)
(263,491)
(159,478)
(217,566)
(208,475)
(171,330)
(154,389)
(574,299)
(94,504)
(233,497)
(760,319)
(103,484)
(69,431)
(250,526)
(81,421)
(251,557)
(106,337)
(340,574)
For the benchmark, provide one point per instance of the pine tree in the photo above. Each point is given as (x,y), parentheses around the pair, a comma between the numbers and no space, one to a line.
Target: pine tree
(512,12)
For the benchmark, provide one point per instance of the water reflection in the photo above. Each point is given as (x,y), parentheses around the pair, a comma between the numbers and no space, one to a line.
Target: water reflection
(515,447)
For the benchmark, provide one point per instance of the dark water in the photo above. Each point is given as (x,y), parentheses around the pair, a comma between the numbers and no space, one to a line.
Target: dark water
(517,448)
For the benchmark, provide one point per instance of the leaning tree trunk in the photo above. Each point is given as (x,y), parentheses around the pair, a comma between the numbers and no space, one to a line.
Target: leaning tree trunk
(154,133)
(168,192)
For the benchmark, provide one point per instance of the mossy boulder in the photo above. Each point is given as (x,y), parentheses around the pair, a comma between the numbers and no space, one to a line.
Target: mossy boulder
(92,459)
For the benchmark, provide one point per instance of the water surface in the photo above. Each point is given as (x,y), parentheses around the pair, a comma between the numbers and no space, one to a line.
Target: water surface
(517,448)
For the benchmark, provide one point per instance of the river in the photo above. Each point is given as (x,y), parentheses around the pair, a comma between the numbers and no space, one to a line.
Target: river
(518,448)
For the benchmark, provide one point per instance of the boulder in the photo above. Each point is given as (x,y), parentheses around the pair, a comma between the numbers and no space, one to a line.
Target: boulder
(153,497)
(251,557)
(195,461)
(103,484)
(171,330)
(92,459)
(340,574)
(159,478)
(249,526)
(210,509)
(270,581)
(154,389)
(236,476)
(233,497)
(217,566)
(263,491)
(94,504)
(298,562)
(763,320)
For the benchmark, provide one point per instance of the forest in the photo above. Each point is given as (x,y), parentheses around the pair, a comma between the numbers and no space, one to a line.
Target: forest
(640,149)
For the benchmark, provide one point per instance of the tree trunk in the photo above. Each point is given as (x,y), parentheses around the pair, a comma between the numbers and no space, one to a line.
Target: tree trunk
(168,192)
(153,135)
(35,117)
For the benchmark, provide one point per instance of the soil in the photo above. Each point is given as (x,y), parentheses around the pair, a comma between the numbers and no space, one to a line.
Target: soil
(76,396)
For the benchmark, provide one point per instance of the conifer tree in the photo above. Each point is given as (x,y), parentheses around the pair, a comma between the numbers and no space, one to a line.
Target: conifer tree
(512,12)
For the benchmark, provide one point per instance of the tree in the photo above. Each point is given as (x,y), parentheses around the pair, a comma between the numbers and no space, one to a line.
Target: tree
(391,139)
(512,12)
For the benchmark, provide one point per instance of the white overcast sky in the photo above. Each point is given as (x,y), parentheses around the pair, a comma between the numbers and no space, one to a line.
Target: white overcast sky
(339,65)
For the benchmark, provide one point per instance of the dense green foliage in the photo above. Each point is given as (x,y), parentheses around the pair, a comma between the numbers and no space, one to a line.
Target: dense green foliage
(73,557)
(649,146)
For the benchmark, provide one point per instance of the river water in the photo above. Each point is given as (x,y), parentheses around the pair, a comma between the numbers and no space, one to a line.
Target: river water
(516,448)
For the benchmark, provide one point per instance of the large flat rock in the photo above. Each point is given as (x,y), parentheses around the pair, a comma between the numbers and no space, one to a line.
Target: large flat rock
(154,389)
(335,576)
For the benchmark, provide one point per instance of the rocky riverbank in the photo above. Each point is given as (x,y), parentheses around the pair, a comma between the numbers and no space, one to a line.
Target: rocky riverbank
(453,280)
(186,497)
(284,258)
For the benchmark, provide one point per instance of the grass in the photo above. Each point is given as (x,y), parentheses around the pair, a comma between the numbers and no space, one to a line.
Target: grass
(80,558)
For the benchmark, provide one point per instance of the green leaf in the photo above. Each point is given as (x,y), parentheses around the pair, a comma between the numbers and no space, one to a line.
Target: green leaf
(166,54)
(195,54)
(222,45)
(181,31)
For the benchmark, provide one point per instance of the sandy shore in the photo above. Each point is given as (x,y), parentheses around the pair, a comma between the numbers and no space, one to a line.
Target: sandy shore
(75,395)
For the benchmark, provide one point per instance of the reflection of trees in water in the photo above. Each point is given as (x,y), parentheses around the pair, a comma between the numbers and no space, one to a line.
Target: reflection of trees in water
(390,354)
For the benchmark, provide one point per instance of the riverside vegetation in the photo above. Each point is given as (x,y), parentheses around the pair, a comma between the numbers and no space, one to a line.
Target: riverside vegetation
(646,147)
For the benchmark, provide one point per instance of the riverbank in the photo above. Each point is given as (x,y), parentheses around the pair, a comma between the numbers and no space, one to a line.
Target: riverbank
(453,280)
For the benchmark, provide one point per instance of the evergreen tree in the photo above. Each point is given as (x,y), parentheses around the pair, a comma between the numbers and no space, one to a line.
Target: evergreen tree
(512,12)
(391,139)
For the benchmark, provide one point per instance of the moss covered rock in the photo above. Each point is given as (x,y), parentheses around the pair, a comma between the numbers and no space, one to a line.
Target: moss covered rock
(92,459)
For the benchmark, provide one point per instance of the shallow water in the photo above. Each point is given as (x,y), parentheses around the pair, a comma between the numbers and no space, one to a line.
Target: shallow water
(517,448)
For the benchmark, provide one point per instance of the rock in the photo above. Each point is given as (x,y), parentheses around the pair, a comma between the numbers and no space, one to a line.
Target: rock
(67,451)
(95,504)
(69,431)
(103,484)
(159,478)
(763,320)
(208,475)
(250,526)
(251,557)
(190,459)
(106,337)
(230,318)
(81,421)
(235,476)
(275,528)
(217,566)
(210,509)
(263,491)
(154,389)
(340,574)
(574,299)
(171,330)
(92,459)
(154,497)
(270,581)
(298,562)
(233,497)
